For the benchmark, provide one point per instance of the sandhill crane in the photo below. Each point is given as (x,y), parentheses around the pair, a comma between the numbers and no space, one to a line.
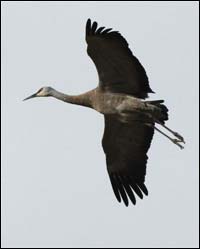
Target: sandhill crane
(129,119)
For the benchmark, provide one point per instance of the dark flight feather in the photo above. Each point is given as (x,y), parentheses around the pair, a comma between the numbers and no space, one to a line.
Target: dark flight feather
(93,29)
(99,30)
(115,189)
(106,31)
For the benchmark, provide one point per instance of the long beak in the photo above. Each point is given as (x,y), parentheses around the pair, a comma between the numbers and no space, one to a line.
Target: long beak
(30,97)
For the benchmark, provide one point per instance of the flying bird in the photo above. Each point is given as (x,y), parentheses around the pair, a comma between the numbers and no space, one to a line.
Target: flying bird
(130,120)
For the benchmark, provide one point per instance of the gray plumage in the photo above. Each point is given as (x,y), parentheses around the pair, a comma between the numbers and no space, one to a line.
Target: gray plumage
(129,119)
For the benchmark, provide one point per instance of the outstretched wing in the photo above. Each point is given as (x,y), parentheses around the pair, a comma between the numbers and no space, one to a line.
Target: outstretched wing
(118,69)
(126,146)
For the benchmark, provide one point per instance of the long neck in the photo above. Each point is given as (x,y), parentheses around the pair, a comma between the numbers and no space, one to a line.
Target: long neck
(84,99)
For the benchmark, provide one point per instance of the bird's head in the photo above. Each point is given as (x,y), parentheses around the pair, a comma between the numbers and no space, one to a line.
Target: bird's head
(42,92)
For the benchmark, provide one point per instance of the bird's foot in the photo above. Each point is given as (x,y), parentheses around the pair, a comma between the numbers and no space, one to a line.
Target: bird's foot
(181,139)
(177,142)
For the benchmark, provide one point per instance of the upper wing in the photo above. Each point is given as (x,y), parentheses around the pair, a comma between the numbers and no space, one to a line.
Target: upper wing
(118,69)
(126,146)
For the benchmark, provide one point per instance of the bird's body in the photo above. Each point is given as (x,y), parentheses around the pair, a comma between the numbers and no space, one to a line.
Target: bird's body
(129,119)
(107,103)
(114,103)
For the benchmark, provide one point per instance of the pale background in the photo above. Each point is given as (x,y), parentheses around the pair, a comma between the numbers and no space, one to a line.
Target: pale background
(55,188)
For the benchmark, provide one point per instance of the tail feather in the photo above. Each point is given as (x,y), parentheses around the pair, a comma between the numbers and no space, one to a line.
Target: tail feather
(164,110)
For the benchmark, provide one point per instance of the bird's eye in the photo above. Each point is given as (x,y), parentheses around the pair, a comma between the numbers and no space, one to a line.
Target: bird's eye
(40,90)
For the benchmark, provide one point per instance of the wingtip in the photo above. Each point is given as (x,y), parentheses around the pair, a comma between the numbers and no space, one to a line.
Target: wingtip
(94,27)
(126,204)
(145,190)
(88,20)
(88,26)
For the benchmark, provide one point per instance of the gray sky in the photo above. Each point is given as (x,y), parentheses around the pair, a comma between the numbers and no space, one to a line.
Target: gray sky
(55,188)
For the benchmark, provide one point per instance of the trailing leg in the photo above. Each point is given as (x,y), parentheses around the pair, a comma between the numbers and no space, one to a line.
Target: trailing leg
(176,134)
(173,140)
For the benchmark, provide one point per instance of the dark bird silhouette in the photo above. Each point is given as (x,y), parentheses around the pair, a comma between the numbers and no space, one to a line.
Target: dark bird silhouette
(129,119)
